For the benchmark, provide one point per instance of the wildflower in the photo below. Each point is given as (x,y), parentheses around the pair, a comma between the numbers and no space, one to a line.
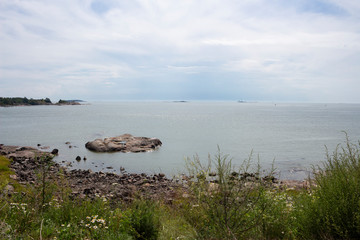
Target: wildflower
(101,220)
(68,225)
(95,227)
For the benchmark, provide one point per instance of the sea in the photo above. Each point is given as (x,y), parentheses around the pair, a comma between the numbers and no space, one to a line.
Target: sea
(291,138)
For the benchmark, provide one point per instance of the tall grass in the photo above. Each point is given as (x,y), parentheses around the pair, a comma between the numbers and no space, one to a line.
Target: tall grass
(228,202)
(332,208)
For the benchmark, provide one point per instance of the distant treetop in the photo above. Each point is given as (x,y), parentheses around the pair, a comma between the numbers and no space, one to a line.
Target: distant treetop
(18,101)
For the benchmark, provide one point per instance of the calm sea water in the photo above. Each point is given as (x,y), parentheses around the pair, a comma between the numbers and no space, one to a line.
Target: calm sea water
(294,135)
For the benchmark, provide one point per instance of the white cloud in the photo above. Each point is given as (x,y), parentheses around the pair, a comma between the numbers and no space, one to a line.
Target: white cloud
(302,46)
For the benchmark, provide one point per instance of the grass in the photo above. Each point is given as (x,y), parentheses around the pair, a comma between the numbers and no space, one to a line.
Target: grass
(332,209)
(223,202)
(5,173)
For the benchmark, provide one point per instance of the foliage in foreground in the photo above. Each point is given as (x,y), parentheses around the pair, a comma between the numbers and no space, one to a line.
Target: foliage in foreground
(332,209)
(228,202)
(223,202)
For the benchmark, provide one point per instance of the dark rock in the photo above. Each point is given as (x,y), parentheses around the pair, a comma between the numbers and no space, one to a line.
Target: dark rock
(78,158)
(55,151)
(212,174)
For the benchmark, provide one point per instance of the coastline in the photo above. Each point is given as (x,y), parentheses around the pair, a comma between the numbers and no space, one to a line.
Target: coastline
(25,162)
(22,102)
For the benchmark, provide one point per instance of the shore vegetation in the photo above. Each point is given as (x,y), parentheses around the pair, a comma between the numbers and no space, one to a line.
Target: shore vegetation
(221,201)
(24,101)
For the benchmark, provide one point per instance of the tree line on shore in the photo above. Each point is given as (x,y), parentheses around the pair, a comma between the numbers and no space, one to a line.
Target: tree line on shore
(24,101)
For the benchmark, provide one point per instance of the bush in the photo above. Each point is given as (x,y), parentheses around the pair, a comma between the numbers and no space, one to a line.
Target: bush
(227,202)
(141,220)
(332,209)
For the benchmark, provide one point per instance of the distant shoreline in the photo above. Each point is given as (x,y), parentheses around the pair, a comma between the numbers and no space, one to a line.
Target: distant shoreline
(19,102)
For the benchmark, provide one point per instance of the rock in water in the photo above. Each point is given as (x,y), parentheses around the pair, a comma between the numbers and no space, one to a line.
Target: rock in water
(124,143)
(55,151)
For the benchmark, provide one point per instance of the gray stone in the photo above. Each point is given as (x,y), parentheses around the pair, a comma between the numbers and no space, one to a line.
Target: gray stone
(124,143)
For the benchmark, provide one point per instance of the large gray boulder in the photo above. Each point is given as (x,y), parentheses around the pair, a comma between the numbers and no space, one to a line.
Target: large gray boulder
(124,143)
(16,152)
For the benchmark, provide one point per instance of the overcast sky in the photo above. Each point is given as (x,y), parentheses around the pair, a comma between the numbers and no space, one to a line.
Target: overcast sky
(254,50)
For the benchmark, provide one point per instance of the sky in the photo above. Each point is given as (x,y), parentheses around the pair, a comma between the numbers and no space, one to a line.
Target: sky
(251,50)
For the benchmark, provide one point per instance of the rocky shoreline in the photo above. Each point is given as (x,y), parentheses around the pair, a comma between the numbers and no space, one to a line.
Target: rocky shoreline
(86,183)
(26,163)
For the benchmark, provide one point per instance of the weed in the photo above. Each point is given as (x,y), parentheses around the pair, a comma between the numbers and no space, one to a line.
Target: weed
(142,221)
(332,209)
(226,202)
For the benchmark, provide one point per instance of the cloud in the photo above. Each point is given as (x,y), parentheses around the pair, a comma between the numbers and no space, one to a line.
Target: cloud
(267,50)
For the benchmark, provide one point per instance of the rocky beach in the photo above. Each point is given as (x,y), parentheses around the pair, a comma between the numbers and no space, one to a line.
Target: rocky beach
(26,162)
(85,183)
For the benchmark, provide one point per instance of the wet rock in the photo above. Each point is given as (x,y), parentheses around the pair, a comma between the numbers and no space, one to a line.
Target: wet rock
(15,152)
(212,174)
(55,151)
(124,143)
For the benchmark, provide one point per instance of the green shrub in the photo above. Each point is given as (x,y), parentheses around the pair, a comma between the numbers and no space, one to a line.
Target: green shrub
(332,209)
(141,220)
(227,201)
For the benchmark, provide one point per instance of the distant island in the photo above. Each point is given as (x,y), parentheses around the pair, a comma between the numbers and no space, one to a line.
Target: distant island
(18,101)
